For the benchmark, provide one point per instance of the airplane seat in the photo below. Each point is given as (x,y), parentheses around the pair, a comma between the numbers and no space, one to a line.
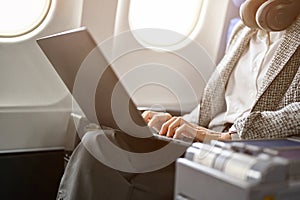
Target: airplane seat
(234,20)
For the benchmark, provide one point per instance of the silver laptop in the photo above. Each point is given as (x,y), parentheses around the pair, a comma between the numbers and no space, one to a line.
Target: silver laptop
(93,83)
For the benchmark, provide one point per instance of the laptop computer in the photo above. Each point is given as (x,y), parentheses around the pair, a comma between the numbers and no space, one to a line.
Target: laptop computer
(84,69)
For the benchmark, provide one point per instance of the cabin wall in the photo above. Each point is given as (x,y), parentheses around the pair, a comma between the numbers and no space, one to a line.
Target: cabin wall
(34,104)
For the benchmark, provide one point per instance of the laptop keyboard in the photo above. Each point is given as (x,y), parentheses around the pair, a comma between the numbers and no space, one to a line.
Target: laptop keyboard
(185,141)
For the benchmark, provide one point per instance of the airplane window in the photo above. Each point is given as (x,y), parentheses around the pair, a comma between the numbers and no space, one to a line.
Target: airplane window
(18,17)
(178,19)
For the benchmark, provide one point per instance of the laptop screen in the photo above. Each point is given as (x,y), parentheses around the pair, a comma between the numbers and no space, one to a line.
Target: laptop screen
(93,83)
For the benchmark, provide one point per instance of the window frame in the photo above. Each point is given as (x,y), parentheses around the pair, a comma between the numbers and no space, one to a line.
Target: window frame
(40,20)
(184,41)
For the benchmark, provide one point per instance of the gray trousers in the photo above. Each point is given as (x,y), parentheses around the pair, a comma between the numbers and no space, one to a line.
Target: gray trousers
(87,178)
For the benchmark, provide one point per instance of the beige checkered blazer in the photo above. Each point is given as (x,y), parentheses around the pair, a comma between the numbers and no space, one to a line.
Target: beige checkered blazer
(276,112)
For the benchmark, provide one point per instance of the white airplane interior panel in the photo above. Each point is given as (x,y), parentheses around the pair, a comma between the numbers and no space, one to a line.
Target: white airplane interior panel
(32,94)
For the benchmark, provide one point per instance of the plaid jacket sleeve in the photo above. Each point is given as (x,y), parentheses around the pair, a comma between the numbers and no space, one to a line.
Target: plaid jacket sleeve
(271,124)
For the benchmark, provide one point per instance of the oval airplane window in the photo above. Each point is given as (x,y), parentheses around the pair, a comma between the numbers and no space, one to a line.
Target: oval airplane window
(164,23)
(18,17)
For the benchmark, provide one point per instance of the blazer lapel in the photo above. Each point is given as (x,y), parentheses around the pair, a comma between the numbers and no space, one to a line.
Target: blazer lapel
(287,48)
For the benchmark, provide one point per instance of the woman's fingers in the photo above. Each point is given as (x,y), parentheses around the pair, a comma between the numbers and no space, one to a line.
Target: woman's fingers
(165,126)
(155,119)
(147,115)
(177,123)
(180,129)
(185,130)
(177,127)
(170,128)
(159,118)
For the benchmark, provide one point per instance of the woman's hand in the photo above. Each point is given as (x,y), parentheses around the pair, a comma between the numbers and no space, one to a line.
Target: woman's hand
(155,119)
(177,127)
